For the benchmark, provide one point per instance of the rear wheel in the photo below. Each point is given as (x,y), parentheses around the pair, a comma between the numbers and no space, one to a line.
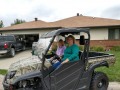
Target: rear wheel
(99,81)
(23,48)
(12,52)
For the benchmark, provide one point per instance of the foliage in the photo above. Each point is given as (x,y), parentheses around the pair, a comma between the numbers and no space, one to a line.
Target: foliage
(54,47)
(3,71)
(97,48)
(18,21)
(113,72)
(1,24)
(115,48)
(81,48)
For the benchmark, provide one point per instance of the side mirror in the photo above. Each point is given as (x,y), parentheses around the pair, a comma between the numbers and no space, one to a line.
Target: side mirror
(82,40)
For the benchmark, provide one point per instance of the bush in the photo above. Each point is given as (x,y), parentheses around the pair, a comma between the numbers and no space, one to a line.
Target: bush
(97,48)
(81,48)
(115,48)
(54,47)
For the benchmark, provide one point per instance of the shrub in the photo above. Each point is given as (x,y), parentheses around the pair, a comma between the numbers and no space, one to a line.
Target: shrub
(54,47)
(97,48)
(81,48)
(115,48)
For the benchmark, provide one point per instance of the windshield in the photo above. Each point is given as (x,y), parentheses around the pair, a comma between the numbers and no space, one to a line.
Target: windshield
(42,45)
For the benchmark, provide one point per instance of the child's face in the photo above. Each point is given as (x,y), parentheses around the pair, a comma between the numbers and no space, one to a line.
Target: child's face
(60,44)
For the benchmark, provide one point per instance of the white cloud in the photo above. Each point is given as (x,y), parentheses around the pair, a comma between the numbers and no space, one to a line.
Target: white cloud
(51,10)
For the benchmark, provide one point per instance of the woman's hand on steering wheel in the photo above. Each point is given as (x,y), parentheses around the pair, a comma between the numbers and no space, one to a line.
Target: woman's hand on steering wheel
(56,56)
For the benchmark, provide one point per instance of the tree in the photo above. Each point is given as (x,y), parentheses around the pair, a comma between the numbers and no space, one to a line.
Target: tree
(1,24)
(18,21)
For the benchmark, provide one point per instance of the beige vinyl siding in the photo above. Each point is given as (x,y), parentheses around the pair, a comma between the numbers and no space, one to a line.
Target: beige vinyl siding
(99,34)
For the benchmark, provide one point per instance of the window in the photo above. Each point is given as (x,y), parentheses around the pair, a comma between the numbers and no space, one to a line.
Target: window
(113,34)
(10,38)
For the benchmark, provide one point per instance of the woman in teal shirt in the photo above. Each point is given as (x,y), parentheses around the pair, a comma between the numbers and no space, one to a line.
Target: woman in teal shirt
(71,53)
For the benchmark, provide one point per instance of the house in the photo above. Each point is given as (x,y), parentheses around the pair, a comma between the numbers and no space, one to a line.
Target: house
(104,31)
(30,31)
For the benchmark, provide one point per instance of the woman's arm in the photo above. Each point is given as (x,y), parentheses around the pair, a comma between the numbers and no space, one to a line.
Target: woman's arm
(67,60)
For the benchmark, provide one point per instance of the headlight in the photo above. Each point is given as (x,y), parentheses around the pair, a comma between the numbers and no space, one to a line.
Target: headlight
(11,74)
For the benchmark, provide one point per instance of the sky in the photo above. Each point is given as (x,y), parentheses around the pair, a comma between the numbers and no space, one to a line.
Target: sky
(53,10)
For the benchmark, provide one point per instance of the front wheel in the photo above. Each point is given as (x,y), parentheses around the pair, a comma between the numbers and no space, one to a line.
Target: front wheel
(99,81)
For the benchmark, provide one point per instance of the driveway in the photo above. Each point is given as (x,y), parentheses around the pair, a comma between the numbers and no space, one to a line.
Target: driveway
(6,61)
(114,86)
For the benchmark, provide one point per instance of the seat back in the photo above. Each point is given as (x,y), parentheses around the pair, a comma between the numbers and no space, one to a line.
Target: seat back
(80,54)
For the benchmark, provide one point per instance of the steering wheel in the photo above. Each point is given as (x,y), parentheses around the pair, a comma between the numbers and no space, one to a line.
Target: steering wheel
(56,56)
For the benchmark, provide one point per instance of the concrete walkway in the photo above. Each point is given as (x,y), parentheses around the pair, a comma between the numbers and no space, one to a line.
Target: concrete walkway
(114,86)
(1,79)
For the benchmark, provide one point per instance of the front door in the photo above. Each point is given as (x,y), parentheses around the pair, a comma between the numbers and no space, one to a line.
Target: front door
(66,77)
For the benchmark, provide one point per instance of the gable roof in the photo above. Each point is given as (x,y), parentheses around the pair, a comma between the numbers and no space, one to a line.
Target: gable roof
(29,25)
(86,21)
(75,21)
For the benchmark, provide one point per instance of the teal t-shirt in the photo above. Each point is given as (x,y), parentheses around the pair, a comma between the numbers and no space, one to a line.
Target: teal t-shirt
(72,53)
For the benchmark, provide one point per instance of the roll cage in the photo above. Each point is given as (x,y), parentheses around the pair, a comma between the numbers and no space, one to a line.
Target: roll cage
(63,32)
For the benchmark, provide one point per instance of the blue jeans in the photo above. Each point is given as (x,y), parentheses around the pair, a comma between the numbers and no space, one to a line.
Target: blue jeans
(56,65)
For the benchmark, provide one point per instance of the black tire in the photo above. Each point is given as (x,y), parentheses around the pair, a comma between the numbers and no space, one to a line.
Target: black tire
(24,48)
(99,81)
(12,52)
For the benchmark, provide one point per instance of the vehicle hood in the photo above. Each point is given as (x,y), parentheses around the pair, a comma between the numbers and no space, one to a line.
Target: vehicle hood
(26,63)
(25,66)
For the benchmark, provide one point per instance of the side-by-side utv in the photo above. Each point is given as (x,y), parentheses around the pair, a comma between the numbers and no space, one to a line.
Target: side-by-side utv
(78,75)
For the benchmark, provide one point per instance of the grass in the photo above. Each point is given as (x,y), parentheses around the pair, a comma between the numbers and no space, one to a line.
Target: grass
(3,71)
(113,72)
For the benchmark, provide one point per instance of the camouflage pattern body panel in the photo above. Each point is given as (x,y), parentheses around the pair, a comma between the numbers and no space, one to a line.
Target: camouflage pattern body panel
(109,58)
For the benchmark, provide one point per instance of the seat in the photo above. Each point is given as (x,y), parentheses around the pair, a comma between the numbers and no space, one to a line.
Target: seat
(80,54)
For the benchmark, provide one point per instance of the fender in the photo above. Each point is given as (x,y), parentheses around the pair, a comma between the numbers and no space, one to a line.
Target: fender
(12,46)
(92,67)
(98,64)
(90,71)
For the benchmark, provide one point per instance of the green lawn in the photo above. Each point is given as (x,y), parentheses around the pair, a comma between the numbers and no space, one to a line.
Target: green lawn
(3,71)
(113,72)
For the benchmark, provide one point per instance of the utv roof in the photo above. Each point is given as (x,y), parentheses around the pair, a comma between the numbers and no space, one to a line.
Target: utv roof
(65,31)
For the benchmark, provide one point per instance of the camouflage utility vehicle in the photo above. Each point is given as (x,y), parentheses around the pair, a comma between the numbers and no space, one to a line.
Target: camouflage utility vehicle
(36,72)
